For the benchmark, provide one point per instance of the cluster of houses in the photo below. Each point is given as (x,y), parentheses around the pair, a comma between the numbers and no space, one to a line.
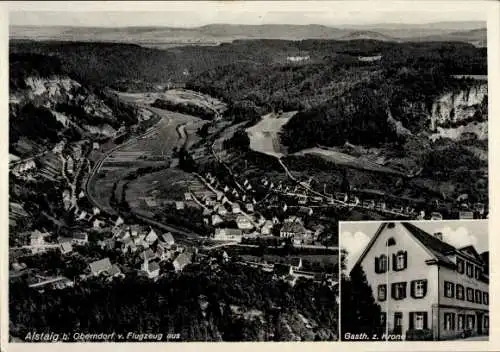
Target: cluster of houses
(290,272)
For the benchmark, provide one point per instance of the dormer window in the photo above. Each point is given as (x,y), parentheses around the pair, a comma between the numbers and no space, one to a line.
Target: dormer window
(391,242)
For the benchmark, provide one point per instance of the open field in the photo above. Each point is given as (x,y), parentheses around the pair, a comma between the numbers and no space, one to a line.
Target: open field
(364,163)
(178,97)
(162,186)
(264,136)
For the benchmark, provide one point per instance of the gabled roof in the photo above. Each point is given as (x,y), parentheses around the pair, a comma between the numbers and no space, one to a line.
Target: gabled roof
(438,248)
(470,251)
(167,237)
(115,270)
(100,266)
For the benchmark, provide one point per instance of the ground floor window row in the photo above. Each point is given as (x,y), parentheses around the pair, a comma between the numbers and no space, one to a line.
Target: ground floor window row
(419,321)
(464,321)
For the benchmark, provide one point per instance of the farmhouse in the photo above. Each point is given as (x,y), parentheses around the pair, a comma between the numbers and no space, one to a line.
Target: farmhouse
(228,235)
(424,285)
(216,220)
(243,223)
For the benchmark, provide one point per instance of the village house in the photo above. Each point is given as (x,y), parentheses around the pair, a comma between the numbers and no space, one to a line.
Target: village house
(37,241)
(267,227)
(98,223)
(188,196)
(149,266)
(100,267)
(179,205)
(227,234)
(80,238)
(66,248)
(151,237)
(95,146)
(181,261)
(168,238)
(216,220)
(220,209)
(243,223)
(235,208)
(249,207)
(424,285)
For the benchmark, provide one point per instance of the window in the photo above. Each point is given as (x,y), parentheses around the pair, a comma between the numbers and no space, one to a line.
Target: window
(486,322)
(449,289)
(477,272)
(460,292)
(398,290)
(418,288)
(470,270)
(461,322)
(449,321)
(381,264)
(460,265)
(479,297)
(391,242)
(418,320)
(471,322)
(383,318)
(382,292)
(470,295)
(399,261)
(485,298)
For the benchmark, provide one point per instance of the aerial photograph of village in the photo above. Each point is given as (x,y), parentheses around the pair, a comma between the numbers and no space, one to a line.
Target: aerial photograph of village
(184,181)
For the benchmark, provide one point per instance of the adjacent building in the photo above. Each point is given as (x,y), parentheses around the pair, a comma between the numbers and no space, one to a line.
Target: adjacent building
(424,285)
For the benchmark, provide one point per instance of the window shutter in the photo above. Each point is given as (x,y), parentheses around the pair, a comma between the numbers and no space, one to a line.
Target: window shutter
(425,320)
(404,290)
(412,320)
(424,288)
(393,290)
(452,285)
(394,262)
(405,260)
(412,288)
(377,265)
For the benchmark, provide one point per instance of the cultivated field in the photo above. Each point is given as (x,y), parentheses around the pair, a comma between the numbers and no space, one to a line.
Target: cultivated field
(264,136)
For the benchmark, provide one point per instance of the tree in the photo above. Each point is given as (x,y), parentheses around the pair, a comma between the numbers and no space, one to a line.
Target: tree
(360,313)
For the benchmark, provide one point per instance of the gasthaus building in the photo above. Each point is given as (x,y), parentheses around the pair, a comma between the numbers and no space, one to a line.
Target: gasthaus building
(427,289)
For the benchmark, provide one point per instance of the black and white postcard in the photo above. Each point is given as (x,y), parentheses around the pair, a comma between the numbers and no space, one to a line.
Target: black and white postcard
(178,171)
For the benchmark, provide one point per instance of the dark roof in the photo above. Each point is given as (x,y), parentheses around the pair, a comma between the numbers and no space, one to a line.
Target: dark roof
(438,248)
(282,269)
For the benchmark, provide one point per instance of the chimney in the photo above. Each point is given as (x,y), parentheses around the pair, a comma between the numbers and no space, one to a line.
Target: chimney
(438,235)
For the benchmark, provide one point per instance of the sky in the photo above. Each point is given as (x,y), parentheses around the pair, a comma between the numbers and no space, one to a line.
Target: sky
(198,13)
(354,236)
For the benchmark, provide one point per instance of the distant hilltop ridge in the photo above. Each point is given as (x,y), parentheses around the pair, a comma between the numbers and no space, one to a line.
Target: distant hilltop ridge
(470,32)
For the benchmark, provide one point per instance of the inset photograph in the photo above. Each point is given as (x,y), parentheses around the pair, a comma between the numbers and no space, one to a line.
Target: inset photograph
(418,280)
